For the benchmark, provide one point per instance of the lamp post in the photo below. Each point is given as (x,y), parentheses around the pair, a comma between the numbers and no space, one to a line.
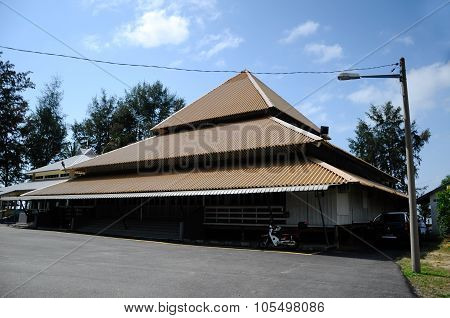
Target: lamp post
(413,227)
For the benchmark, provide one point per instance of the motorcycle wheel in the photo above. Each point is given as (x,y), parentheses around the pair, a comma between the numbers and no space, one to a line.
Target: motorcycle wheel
(265,243)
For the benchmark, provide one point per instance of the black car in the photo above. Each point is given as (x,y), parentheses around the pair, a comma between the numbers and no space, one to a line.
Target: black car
(391,226)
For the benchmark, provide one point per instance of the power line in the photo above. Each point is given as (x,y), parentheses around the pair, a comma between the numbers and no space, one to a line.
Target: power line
(81,58)
(61,41)
(396,36)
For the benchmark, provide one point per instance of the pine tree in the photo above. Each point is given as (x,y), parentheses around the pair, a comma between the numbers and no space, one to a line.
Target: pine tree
(46,126)
(13,109)
(381,142)
(151,104)
(95,131)
(113,123)
(123,128)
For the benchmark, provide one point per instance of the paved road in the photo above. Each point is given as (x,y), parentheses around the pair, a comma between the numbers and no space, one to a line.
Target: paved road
(109,267)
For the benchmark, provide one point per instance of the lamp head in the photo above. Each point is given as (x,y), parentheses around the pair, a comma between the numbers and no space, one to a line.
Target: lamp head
(348,76)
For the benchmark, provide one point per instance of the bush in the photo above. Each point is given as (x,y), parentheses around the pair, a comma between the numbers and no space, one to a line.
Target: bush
(443,208)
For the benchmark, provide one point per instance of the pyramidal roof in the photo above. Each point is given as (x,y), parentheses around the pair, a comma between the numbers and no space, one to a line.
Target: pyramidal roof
(243,93)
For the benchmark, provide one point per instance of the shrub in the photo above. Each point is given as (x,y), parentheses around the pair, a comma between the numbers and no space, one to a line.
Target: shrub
(443,207)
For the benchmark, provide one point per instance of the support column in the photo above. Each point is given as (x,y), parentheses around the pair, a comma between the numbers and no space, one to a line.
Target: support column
(336,236)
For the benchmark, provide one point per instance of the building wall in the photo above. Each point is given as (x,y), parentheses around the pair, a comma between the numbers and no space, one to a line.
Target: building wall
(434,213)
(304,207)
(342,205)
(54,174)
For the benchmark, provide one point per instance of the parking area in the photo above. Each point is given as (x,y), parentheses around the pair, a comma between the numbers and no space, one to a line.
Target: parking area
(52,264)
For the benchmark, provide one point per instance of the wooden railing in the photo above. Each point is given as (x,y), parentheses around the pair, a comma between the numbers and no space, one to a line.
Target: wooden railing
(244,215)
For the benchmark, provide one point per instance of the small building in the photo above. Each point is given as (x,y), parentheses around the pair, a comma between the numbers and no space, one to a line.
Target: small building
(40,178)
(226,165)
(430,200)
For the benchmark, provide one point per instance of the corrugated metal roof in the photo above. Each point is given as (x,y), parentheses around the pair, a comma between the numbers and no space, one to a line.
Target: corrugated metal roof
(175,193)
(246,135)
(29,186)
(284,106)
(69,162)
(242,93)
(353,178)
(294,174)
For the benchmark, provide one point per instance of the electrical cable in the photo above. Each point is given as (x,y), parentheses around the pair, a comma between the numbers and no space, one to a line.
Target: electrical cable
(189,69)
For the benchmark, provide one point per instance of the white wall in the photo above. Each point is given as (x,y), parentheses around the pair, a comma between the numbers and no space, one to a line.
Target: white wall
(434,213)
(304,207)
(346,205)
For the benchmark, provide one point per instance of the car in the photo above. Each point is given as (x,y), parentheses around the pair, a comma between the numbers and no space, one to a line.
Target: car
(395,226)
(391,226)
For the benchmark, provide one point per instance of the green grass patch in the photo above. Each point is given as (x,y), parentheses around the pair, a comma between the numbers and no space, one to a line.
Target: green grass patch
(434,278)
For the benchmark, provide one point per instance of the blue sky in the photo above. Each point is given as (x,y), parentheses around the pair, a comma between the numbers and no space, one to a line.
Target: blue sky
(256,35)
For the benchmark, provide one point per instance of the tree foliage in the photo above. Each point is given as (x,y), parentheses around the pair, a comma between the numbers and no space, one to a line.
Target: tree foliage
(46,126)
(151,103)
(13,109)
(40,138)
(443,207)
(123,128)
(380,140)
(70,149)
(116,122)
(95,131)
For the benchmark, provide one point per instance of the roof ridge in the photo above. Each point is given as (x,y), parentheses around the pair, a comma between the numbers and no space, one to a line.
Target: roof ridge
(358,159)
(195,100)
(264,96)
(354,178)
(296,129)
(337,171)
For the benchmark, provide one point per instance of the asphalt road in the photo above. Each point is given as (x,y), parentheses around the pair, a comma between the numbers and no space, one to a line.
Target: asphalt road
(110,267)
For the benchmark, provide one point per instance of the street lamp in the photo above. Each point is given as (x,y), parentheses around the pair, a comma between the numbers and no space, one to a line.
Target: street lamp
(413,227)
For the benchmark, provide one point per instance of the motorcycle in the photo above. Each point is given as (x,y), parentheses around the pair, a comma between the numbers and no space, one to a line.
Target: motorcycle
(275,238)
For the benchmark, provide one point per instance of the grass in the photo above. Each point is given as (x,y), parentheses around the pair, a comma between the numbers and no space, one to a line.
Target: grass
(434,279)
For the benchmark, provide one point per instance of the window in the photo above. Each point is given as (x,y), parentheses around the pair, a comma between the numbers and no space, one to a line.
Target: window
(398,217)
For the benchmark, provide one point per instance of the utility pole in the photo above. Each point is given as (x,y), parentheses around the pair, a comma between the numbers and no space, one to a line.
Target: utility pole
(413,227)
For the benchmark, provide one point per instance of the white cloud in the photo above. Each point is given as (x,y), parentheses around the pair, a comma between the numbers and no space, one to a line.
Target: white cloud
(149,5)
(220,63)
(219,42)
(301,30)
(153,29)
(176,63)
(324,53)
(325,97)
(157,22)
(428,87)
(313,111)
(103,5)
(92,43)
(406,40)
(368,95)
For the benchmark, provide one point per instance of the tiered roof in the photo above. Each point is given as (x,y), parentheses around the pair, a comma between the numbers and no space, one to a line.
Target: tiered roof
(240,115)
(293,176)
(239,136)
(240,95)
